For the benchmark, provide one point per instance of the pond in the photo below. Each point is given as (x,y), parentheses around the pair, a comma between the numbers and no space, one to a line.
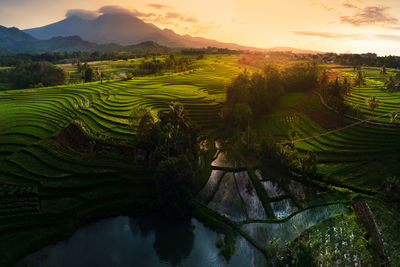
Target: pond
(142,241)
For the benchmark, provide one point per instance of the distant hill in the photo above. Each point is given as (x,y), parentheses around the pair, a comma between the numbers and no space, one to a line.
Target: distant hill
(125,29)
(108,32)
(14,40)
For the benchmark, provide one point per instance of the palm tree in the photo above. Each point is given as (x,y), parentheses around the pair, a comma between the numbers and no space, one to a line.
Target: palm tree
(177,116)
(391,84)
(383,70)
(393,116)
(324,82)
(346,86)
(359,80)
(177,123)
(373,103)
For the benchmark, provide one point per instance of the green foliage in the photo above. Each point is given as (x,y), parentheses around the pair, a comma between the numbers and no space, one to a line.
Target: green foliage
(359,79)
(392,185)
(338,240)
(136,116)
(383,70)
(258,91)
(393,117)
(302,76)
(236,118)
(156,66)
(373,103)
(368,59)
(219,243)
(287,157)
(173,135)
(334,94)
(392,84)
(35,74)
(173,149)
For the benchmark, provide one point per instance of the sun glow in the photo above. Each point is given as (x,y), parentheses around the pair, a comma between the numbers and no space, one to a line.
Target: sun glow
(369,27)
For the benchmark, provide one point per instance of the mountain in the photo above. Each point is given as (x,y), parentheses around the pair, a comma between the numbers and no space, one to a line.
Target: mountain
(125,29)
(107,32)
(13,40)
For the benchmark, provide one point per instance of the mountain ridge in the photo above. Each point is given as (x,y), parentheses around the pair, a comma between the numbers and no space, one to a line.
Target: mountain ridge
(125,29)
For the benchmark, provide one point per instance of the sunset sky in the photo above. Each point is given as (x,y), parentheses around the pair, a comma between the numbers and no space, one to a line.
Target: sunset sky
(330,25)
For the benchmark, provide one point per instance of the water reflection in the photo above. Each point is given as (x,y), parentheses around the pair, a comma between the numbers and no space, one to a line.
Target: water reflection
(173,240)
(142,241)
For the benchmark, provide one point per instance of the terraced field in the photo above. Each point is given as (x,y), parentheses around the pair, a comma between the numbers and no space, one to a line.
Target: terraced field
(46,171)
(375,86)
(27,117)
(349,152)
(42,176)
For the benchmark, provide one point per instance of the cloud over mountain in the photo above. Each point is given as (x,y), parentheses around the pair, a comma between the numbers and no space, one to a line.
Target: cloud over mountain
(168,18)
(84,14)
(106,10)
(112,10)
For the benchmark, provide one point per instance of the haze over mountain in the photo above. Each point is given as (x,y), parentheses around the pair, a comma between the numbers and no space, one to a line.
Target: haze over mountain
(13,40)
(125,29)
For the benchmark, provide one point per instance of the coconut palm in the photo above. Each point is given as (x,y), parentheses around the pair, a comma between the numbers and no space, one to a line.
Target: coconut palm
(324,82)
(391,84)
(346,86)
(373,103)
(178,116)
(359,79)
(383,70)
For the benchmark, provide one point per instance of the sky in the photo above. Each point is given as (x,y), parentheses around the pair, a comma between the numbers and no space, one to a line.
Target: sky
(341,26)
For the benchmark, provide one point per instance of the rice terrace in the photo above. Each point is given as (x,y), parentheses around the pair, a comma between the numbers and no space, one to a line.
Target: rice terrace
(125,144)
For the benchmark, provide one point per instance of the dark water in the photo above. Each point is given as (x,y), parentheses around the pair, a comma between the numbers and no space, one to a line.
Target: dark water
(142,241)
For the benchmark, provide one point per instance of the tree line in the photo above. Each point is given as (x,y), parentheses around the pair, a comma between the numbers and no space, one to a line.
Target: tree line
(11,60)
(33,74)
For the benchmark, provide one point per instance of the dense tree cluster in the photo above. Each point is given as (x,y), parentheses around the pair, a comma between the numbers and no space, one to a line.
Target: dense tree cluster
(171,147)
(301,76)
(146,50)
(209,50)
(250,96)
(90,74)
(288,158)
(33,74)
(334,91)
(69,57)
(368,59)
(156,66)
